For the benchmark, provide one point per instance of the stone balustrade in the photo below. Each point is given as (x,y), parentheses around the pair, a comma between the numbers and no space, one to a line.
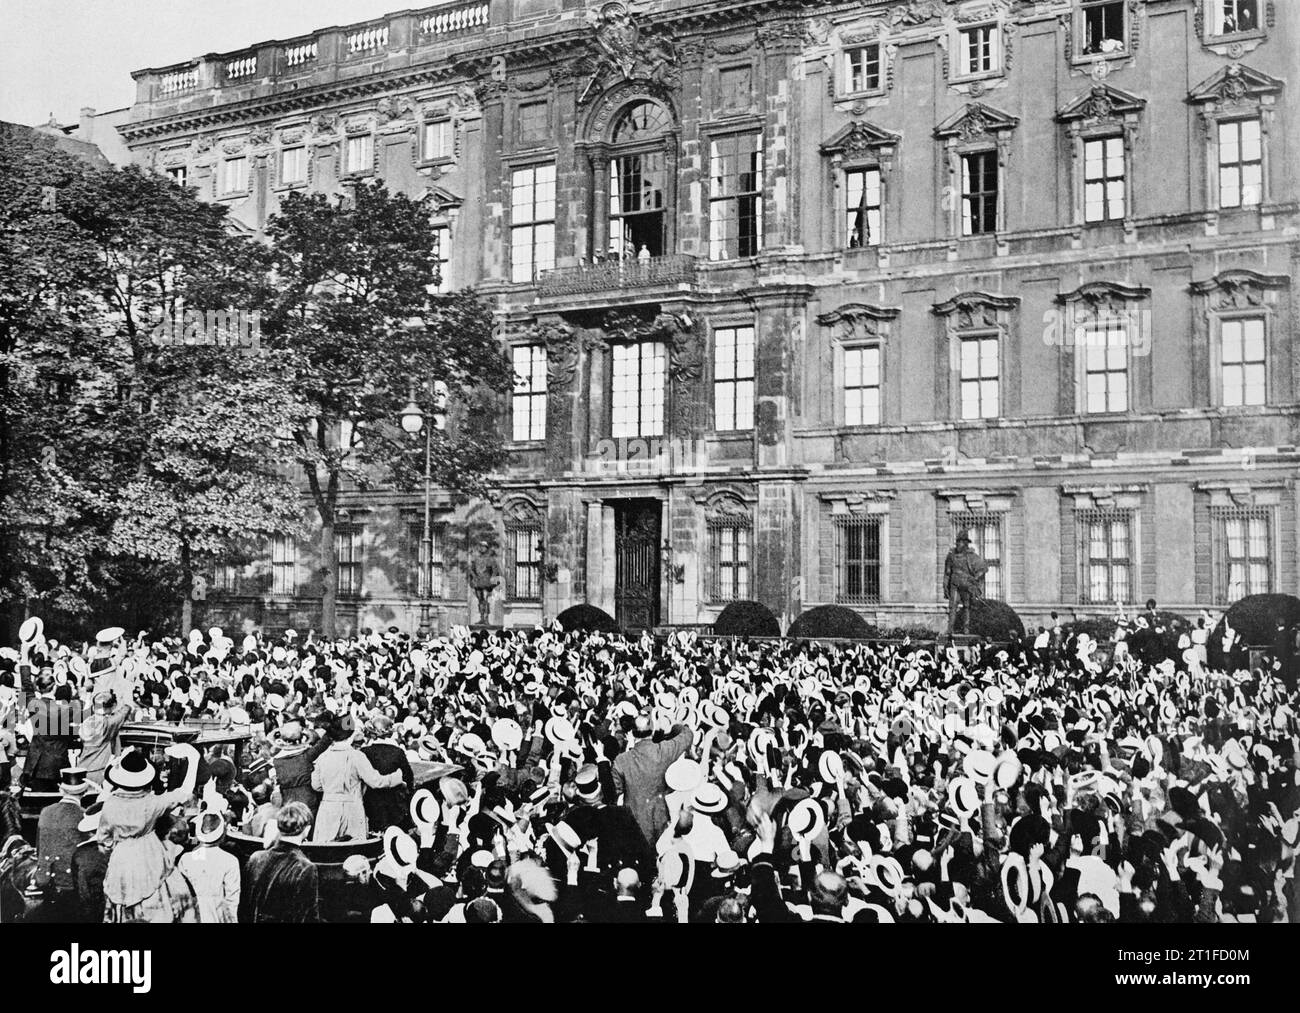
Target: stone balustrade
(327,52)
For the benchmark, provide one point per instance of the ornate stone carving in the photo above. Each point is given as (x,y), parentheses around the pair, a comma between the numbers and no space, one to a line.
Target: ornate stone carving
(1102,301)
(860,321)
(394,108)
(260,135)
(622,51)
(1239,289)
(915,12)
(975,309)
(816,32)
(324,124)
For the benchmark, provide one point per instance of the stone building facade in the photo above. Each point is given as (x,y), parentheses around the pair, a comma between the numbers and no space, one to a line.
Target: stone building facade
(794,291)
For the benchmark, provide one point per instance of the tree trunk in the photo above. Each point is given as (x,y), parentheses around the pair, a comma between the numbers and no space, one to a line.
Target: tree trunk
(187,591)
(329,577)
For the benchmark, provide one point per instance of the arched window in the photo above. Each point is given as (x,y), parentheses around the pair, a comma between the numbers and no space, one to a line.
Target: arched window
(638,181)
(642,121)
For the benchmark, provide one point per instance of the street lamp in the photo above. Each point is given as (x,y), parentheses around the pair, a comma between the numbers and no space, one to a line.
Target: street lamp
(413,420)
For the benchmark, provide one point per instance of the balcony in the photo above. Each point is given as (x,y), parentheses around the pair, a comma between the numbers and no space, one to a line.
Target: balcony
(675,272)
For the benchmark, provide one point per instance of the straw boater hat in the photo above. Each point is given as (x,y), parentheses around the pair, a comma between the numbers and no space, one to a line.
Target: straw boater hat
(424,808)
(131,771)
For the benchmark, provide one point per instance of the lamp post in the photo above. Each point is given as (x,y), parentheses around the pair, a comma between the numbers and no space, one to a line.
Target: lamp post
(413,421)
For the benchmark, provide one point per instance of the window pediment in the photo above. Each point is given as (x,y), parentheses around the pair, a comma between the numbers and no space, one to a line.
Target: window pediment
(976,121)
(976,309)
(860,321)
(1235,83)
(1239,289)
(1101,103)
(861,139)
(1102,300)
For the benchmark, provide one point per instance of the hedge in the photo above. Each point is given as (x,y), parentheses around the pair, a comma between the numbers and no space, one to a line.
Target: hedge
(831,622)
(747,619)
(587,619)
(1255,618)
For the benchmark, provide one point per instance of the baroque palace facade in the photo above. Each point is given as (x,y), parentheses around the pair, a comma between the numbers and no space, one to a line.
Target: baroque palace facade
(795,290)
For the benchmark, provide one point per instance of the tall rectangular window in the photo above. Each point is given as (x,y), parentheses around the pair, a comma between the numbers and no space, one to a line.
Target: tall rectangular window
(1105,366)
(427,571)
(980,377)
(226,578)
(862,386)
(528,404)
(1228,17)
(524,567)
(637,389)
(1103,180)
(862,68)
(637,185)
(284,565)
(733,378)
(857,559)
(359,154)
(1103,27)
(986,538)
(1244,377)
(1243,552)
(1241,164)
(532,221)
(234,175)
(979,49)
(735,196)
(862,207)
(979,193)
(293,165)
(347,555)
(442,256)
(1106,556)
(438,141)
(729,546)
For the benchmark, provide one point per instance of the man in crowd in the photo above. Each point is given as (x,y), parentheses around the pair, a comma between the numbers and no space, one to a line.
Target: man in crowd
(281,884)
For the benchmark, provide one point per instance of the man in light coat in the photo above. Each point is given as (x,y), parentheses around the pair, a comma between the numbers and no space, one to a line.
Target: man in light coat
(341,774)
(639,773)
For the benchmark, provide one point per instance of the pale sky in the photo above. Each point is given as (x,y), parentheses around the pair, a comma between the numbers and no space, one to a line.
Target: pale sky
(59,55)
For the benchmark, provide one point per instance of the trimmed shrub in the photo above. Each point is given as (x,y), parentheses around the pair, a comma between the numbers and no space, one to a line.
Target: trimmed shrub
(1256,619)
(917,633)
(831,622)
(995,620)
(587,619)
(747,619)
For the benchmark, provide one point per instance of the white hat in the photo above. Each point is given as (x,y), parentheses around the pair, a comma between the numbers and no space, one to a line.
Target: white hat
(830,766)
(807,819)
(507,734)
(963,796)
(400,852)
(109,635)
(683,775)
(979,765)
(559,730)
(31,629)
(424,808)
(710,799)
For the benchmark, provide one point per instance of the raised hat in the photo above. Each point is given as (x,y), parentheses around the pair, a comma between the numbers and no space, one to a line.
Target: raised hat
(400,852)
(830,766)
(507,734)
(424,808)
(683,775)
(964,796)
(979,765)
(807,819)
(31,629)
(710,798)
(107,636)
(559,729)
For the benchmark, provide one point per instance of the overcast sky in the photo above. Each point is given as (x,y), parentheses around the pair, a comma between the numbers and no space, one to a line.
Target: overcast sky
(59,55)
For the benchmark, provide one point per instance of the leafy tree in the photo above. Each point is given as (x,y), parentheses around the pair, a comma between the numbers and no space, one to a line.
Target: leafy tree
(154,448)
(351,277)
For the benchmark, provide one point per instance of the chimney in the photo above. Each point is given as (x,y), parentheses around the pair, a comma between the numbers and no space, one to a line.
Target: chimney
(87,123)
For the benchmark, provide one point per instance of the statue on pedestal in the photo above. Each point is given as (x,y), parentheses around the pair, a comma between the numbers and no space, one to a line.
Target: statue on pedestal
(484,576)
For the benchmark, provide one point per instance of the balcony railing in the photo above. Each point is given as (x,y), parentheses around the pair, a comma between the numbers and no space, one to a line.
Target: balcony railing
(612,275)
(396,36)
(460,19)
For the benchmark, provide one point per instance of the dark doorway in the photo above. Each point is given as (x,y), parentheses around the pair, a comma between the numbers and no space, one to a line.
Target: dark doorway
(636,550)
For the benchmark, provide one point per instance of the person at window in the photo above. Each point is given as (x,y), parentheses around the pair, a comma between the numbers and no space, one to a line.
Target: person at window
(963,582)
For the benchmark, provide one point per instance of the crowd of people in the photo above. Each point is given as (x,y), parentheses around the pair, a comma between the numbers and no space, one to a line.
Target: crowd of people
(551,776)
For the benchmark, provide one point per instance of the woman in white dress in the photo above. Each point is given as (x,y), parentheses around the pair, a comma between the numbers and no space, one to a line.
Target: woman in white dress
(212,871)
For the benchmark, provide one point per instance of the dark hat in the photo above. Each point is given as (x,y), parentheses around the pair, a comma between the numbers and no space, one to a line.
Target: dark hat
(72,781)
(963,536)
